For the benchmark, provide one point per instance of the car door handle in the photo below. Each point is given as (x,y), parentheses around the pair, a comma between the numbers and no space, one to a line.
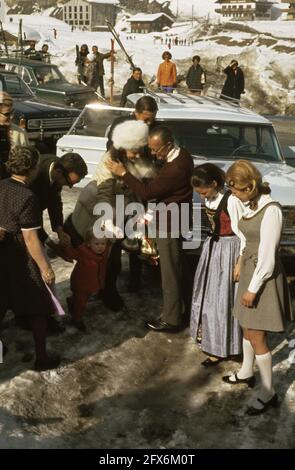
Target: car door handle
(66,149)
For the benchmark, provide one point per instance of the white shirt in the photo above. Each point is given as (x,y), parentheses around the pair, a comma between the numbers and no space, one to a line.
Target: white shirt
(174,153)
(270,235)
(235,210)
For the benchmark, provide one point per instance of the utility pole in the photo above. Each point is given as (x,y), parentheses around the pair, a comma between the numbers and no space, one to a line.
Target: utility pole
(112,81)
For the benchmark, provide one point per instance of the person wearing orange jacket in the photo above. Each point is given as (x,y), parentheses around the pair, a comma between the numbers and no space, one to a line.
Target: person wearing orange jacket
(167,75)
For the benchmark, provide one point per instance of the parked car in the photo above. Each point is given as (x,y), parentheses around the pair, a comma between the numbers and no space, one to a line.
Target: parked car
(43,122)
(212,130)
(49,84)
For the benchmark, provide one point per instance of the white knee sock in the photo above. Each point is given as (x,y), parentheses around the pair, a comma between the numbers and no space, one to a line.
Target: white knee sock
(264,364)
(248,360)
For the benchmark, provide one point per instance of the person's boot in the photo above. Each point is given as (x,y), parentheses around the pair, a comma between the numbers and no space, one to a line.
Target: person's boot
(135,273)
(112,300)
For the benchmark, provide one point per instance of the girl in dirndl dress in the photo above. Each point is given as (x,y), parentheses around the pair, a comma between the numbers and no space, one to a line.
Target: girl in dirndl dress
(214,284)
(262,302)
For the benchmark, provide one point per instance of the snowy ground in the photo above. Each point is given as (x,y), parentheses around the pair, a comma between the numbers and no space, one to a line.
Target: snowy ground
(264,49)
(122,386)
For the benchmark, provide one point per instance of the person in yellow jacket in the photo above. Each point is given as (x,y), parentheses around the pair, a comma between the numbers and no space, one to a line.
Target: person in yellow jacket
(167,75)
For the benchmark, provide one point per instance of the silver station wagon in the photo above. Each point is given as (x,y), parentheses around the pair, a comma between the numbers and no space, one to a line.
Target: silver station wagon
(212,129)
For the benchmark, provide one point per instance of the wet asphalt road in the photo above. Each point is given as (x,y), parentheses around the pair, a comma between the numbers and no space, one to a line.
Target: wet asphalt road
(285,129)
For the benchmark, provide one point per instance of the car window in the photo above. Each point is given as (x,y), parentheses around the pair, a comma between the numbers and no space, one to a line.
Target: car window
(95,122)
(24,74)
(15,86)
(48,74)
(236,140)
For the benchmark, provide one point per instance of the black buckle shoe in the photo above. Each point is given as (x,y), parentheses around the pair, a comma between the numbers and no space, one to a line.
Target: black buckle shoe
(160,325)
(250,381)
(272,403)
(209,362)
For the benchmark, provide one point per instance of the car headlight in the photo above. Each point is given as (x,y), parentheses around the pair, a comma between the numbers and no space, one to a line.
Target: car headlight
(34,123)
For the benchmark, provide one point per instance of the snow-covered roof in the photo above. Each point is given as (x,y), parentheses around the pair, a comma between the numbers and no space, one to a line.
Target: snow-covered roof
(108,2)
(148,18)
(248,1)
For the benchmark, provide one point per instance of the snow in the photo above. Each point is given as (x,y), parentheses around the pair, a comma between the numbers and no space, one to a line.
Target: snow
(265,51)
(30,33)
(146,17)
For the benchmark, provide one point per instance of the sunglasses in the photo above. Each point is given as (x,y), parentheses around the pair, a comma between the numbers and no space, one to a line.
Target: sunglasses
(9,113)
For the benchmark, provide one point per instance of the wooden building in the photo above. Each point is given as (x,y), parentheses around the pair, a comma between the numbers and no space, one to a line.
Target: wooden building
(245,9)
(290,11)
(145,23)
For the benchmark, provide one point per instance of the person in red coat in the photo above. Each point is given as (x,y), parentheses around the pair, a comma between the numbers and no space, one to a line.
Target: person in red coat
(88,275)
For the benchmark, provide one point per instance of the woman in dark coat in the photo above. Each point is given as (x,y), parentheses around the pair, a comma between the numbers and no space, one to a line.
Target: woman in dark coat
(234,84)
(25,271)
(196,78)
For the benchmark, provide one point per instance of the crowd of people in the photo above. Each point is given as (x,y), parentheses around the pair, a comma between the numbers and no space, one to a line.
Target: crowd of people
(239,292)
(91,72)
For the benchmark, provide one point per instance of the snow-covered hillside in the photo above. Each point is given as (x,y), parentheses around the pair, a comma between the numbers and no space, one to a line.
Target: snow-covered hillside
(264,49)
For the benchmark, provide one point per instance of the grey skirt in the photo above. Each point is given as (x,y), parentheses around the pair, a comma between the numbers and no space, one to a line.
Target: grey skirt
(272,305)
(213,298)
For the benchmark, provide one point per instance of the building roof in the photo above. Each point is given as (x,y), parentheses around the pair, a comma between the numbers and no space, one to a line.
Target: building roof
(142,17)
(107,2)
(103,2)
(247,1)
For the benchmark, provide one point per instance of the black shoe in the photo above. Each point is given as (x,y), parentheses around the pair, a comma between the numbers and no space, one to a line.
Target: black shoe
(134,287)
(209,362)
(250,381)
(80,325)
(50,363)
(70,304)
(113,302)
(160,325)
(272,403)
(54,326)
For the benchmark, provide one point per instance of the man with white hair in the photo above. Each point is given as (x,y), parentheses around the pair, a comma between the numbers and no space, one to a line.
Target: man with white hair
(128,142)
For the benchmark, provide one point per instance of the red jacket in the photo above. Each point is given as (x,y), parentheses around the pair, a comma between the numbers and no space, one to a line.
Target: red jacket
(90,270)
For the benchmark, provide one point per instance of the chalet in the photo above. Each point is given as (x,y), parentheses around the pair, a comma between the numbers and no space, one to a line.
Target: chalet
(145,23)
(245,9)
(290,11)
(90,14)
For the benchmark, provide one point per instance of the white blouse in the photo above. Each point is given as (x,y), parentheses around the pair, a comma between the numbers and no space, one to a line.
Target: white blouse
(235,210)
(270,235)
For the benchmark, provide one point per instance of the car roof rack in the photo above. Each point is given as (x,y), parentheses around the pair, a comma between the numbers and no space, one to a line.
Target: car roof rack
(215,97)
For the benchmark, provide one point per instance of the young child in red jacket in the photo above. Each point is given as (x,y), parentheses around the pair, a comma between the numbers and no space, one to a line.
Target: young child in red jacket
(88,275)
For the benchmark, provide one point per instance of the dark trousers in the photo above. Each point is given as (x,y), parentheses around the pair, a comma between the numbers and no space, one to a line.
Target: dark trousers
(170,250)
(101,85)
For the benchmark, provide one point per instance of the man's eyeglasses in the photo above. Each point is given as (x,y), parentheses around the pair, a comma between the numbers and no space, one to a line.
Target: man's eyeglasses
(160,149)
